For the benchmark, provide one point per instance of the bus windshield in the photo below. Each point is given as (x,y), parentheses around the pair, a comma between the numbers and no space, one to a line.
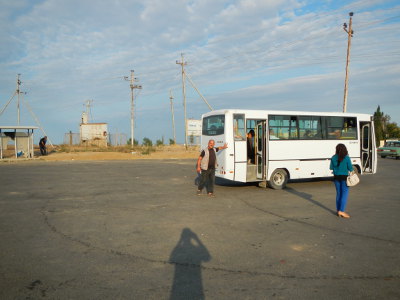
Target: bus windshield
(213,125)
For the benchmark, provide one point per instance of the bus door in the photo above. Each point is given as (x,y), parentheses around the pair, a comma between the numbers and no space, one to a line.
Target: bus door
(260,150)
(368,149)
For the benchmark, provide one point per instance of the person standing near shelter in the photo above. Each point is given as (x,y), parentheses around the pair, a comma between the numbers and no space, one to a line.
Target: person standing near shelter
(42,145)
(341,166)
(206,164)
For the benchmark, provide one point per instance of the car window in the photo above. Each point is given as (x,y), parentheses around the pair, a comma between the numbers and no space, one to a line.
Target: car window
(392,144)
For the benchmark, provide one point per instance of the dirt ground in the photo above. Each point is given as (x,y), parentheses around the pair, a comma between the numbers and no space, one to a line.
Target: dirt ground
(164,152)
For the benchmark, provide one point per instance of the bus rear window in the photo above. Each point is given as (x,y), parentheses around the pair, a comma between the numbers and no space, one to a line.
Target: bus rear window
(213,125)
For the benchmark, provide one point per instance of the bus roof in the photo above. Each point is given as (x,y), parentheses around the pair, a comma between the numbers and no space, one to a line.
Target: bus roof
(262,113)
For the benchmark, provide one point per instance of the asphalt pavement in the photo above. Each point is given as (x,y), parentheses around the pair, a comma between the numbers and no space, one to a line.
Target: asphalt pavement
(137,230)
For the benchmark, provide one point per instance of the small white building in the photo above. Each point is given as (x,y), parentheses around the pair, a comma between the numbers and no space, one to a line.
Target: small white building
(93,134)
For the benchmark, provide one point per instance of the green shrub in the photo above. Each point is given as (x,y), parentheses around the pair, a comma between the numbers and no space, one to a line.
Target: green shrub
(135,142)
(147,142)
(148,150)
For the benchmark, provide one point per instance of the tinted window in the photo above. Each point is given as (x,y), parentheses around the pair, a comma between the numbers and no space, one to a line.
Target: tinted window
(213,125)
(365,137)
(392,144)
(341,128)
(239,130)
(282,127)
(310,127)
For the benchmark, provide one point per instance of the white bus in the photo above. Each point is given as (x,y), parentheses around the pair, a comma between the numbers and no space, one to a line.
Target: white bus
(287,144)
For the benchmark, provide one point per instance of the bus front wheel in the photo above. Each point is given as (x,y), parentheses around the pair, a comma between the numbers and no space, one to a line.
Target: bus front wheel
(278,179)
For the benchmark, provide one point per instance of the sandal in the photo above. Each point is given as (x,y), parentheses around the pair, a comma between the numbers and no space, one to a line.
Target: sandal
(342,214)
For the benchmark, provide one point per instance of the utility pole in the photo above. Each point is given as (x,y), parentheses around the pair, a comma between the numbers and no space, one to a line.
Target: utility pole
(18,92)
(183,63)
(171,98)
(133,86)
(346,81)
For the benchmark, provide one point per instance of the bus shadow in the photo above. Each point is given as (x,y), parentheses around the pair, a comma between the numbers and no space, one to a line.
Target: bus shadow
(317,179)
(226,182)
(309,198)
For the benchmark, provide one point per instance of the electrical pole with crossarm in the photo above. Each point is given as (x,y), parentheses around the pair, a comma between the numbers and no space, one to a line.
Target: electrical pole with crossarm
(346,81)
(182,63)
(133,86)
(18,101)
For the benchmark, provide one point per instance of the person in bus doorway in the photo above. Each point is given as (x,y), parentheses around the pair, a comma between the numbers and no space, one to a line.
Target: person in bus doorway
(206,164)
(42,145)
(341,166)
(250,147)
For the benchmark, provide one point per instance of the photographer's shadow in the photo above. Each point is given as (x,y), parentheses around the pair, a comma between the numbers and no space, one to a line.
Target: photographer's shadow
(187,257)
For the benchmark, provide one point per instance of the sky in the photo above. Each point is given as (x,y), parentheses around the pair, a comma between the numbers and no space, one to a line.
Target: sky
(248,54)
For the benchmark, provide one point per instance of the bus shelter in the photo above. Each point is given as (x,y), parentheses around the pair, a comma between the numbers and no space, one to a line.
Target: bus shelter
(22,138)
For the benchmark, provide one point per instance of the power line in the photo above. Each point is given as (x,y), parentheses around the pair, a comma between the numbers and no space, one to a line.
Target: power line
(367,24)
(37,121)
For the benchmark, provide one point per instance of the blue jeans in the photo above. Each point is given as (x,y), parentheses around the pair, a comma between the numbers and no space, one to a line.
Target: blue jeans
(342,193)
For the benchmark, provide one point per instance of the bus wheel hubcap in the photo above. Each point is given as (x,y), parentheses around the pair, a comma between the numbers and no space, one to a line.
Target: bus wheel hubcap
(278,178)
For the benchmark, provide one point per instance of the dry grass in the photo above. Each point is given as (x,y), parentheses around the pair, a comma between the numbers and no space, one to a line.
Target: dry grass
(64,152)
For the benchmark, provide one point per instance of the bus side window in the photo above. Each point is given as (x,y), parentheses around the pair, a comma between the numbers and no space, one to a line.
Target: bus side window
(239,132)
(283,127)
(334,127)
(341,128)
(334,134)
(349,129)
(310,127)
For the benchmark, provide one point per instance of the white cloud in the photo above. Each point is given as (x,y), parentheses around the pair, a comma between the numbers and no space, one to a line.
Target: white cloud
(70,51)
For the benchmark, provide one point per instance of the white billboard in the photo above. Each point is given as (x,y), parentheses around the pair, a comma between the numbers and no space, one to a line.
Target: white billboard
(193,127)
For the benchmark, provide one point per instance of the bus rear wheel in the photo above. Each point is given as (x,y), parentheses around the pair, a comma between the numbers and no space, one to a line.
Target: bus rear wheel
(278,179)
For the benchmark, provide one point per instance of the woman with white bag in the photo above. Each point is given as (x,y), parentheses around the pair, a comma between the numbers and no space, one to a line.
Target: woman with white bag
(341,166)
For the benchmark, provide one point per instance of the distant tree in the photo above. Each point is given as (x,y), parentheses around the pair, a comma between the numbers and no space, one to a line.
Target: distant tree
(393,131)
(171,142)
(378,115)
(383,128)
(147,142)
(135,142)
(160,142)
